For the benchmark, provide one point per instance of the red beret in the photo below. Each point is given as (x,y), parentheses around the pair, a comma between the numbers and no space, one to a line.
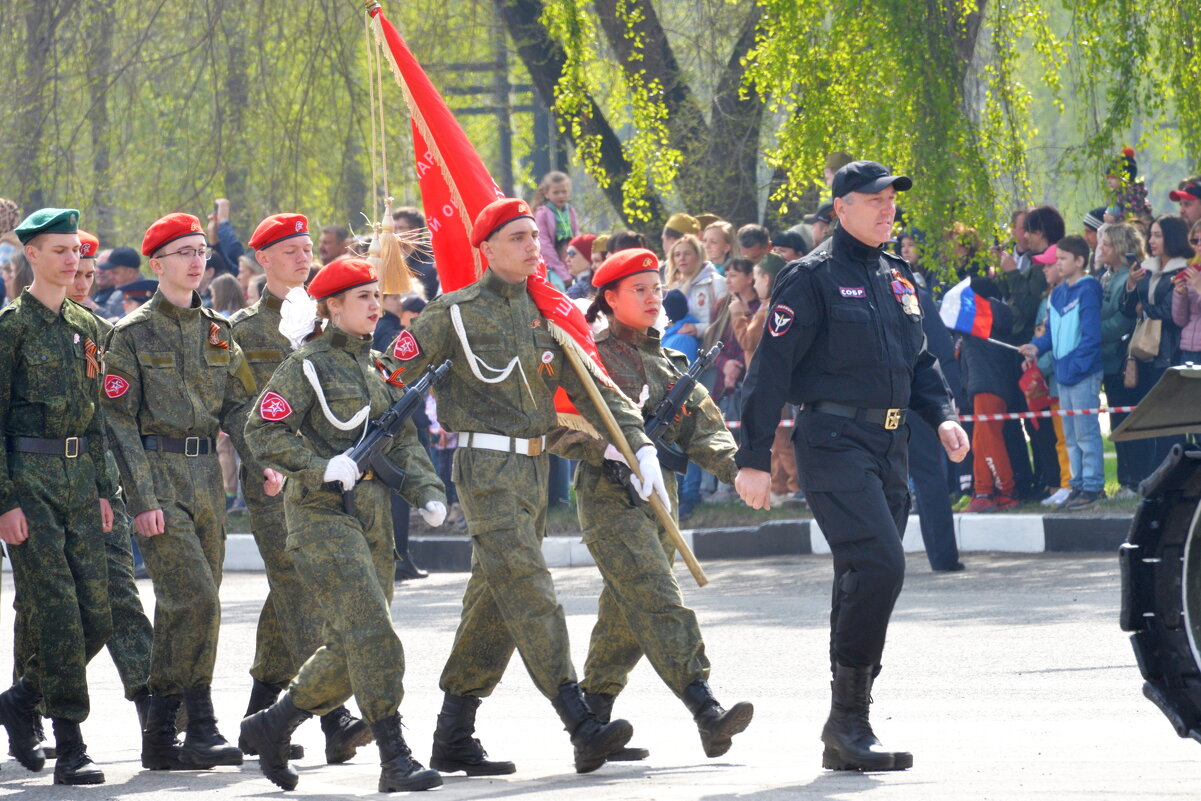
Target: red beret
(496,215)
(277,228)
(583,245)
(89,245)
(623,263)
(168,229)
(340,275)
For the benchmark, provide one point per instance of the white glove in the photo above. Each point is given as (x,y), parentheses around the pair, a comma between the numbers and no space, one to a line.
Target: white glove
(652,476)
(433,513)
(614,455)
(343,470)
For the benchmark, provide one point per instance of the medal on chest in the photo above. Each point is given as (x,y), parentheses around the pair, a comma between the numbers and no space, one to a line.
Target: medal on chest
(547,367)
(215,337)
(905,293)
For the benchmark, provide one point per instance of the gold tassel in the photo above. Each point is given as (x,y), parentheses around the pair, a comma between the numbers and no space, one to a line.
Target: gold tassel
(577,423)
(387,255)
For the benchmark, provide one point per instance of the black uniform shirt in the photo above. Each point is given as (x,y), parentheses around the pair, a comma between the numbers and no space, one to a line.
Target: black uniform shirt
(836,332)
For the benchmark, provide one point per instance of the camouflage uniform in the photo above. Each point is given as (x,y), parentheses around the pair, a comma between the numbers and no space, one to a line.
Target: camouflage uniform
(347,562)
(641,607)
(286,634)
(176,373)
(510,598)
(46,392)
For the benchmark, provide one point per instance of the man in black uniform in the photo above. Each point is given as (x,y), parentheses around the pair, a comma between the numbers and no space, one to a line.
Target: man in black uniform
(844,340)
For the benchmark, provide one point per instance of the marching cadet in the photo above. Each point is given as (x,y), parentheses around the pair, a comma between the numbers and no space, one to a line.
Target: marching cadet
(174,376)
(287,634)
(498,396)
(129,644)
(313,409)
(54,495)
(641,608)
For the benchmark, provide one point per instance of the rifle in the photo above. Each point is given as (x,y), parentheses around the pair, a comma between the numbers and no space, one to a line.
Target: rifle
(665,412)
(368,453)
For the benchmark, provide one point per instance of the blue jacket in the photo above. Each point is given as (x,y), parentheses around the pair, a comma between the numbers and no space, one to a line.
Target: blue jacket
(684,343)
(1074,333)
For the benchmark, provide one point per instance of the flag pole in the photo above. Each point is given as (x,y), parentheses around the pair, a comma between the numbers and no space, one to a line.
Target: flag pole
(619,440)
(1002,344)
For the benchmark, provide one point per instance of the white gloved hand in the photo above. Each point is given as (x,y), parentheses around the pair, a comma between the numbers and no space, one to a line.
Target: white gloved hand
(433,513)
(652,476)
(343,470)
(614,455)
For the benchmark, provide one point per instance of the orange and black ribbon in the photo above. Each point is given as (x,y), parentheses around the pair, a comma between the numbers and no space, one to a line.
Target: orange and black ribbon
(91,352)
(215,337)
(392,378)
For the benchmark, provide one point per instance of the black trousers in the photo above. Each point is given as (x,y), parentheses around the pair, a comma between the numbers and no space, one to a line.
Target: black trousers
(928,469)
(855,477)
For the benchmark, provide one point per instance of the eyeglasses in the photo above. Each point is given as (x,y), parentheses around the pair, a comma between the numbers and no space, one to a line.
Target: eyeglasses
(205,253)
(643,291)
(572,252)
(1195,241)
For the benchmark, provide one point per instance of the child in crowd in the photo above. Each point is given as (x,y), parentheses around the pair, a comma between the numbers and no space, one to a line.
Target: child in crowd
(1074,336)
(1127,190)
(675,306)
(557,224)
(1058,494)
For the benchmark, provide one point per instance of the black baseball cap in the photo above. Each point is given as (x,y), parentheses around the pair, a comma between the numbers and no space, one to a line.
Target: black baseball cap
(824,214)
(868,177)
(121,257)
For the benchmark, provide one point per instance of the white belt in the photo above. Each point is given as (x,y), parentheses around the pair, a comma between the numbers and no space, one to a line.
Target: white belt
(496,442)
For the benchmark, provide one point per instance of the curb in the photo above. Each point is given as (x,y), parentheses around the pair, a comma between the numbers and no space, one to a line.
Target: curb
(1000,533)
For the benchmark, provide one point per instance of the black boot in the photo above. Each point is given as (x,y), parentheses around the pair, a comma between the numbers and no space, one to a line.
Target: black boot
(406,568)
(454,747)
(716,725)
(601,705)
(160,749)
(399,771)
(848,737)
(263,695)
(18,714)
(74,766)
(269,733)
(344,734)
(141,704)
(594,741)
(203,745)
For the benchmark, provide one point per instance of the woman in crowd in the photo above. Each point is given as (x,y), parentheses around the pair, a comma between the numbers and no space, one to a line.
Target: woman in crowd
(1186,302)
(17,275)
(741,301)
(248,269)
(227,294)
(697,279)
(721,244)
(1119,246)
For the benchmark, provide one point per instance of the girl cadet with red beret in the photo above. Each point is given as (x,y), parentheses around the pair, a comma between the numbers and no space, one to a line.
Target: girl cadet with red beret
(641,608)
(314,409)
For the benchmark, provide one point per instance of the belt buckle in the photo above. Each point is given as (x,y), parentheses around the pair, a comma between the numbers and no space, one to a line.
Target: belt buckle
(191,446)
(534,448)
(71,447)
(892,419)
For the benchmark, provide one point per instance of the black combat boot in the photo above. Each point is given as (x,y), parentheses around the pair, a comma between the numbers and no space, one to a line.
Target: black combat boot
(269,733)
(406,568)
(344,734)
(601,705)
(263,695)
(716,725)
(203,745)
(848,737)
(454,747)
(399,771)
(594,741)
(160,749)
(48,749)
(141,704)
(18,714)
(74,766)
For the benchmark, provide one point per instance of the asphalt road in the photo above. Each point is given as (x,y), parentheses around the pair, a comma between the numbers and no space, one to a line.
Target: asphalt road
(1008,681)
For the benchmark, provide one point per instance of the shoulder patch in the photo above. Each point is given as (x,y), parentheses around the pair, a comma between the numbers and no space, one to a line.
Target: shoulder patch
(115,386)
(274,407)
(779,320)
(406,346)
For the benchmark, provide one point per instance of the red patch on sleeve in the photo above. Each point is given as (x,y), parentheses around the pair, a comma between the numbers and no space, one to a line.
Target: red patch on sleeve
(406,347)
(273,407)
(115,386)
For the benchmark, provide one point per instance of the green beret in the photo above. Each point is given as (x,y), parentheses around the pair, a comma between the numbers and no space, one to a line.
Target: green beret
(47,221)
(772,263)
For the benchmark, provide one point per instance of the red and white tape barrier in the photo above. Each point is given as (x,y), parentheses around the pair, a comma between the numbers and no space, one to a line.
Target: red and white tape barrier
(978,418)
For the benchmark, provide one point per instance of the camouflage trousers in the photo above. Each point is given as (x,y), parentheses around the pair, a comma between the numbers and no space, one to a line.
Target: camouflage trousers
(641,609)
(60,578)
(510,600)
(185,565)
(288,632)
(348,565)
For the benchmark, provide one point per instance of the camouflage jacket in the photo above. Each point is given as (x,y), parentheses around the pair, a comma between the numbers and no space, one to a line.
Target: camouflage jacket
(49,387)
(350,377)
(256,330)
(645,370)
(170,372)
(506,333)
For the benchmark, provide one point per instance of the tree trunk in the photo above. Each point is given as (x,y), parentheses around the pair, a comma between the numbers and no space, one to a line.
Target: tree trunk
(99,68)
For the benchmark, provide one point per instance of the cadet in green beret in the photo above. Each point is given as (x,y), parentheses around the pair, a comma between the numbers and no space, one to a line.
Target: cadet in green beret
(54,493)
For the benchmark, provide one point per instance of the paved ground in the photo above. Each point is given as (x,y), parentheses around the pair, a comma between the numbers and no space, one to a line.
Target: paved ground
(1008,681)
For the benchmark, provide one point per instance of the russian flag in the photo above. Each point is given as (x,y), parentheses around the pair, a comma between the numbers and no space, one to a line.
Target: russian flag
(964,311)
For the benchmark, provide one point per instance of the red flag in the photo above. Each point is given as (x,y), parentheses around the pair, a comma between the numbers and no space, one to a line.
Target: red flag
(455,187)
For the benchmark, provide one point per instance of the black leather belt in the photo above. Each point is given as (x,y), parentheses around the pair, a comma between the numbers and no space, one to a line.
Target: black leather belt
(70,447)
(188,446)
(888,418)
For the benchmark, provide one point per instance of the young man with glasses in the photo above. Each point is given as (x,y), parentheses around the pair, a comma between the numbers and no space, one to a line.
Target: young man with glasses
(174,376)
